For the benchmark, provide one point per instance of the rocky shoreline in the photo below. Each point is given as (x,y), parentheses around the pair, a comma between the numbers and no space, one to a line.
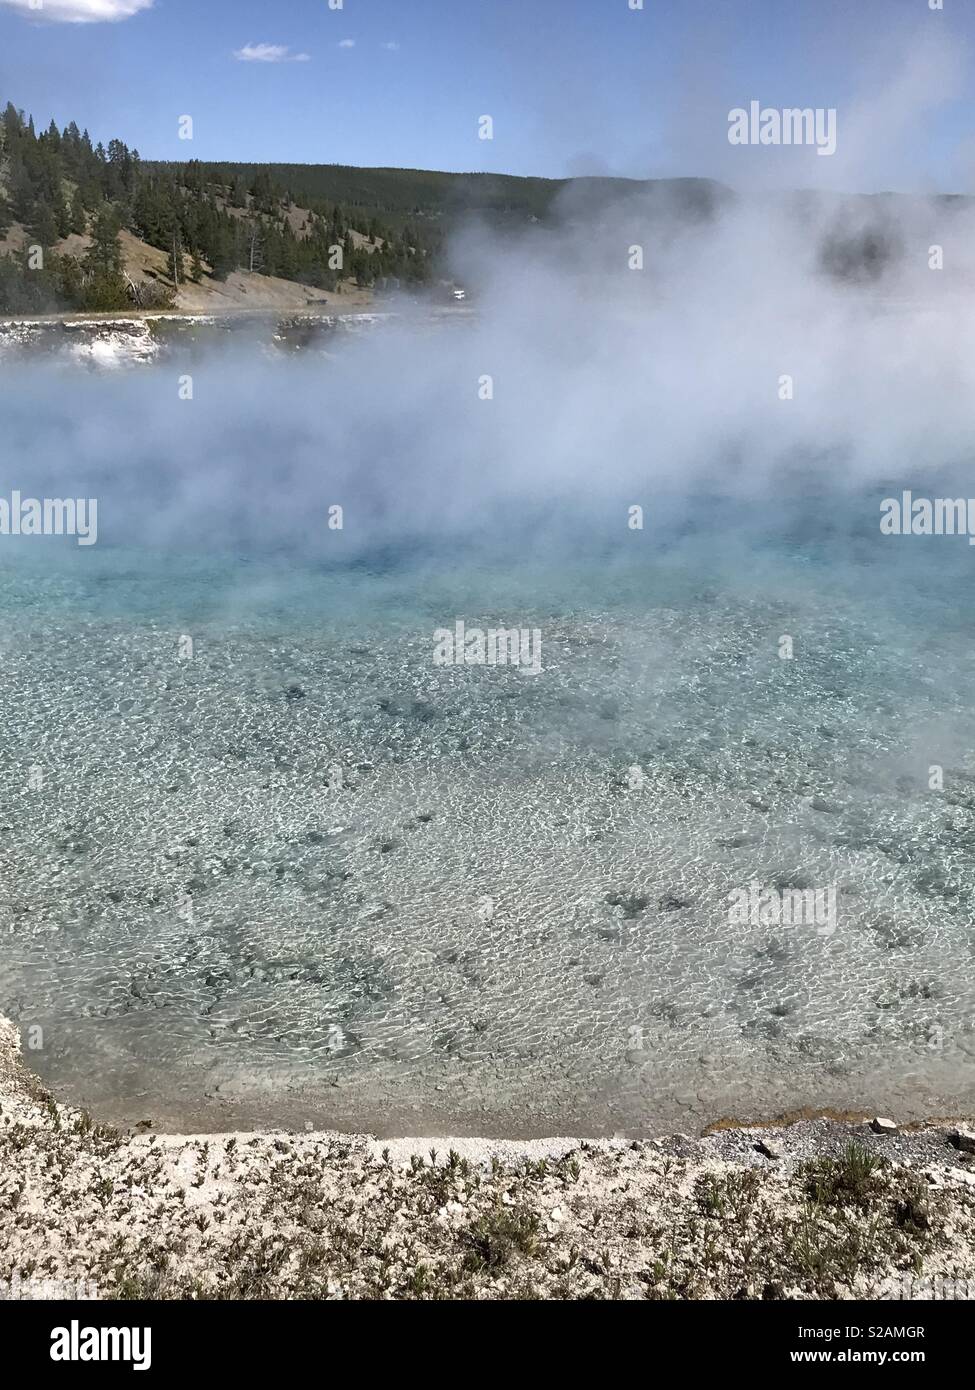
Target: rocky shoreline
(140,338)
(134,339)
(819,1209)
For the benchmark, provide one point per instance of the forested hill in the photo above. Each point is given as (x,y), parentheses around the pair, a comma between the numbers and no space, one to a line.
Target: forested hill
(116,230)
(400,196)
(396,196)
(73,198)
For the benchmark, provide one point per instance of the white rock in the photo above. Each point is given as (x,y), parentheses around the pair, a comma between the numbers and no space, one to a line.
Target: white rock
(880,1126)
(963,1138)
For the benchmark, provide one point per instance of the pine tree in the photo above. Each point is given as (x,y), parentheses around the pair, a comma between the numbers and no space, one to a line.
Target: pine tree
(174,265)
(78,221)
(104,256)
(44,225)
(13,121)
(255,250)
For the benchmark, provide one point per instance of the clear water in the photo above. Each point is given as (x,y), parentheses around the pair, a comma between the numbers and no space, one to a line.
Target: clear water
(479,925)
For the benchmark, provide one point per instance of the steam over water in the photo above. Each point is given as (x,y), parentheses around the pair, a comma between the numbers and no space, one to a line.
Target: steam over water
(299,873)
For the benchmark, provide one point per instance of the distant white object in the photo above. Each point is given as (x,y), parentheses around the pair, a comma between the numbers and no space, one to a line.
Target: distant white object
(460,294)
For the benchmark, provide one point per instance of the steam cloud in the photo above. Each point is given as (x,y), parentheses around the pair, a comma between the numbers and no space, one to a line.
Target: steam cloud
(608,383)
(611,385)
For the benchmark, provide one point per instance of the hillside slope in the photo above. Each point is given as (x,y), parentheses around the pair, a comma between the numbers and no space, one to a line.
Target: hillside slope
(95,229)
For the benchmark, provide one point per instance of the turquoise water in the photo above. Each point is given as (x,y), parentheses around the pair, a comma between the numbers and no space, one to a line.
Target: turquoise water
(303,875)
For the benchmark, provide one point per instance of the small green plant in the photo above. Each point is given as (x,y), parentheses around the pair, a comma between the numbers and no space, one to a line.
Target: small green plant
(495,1237)
(709,1197)
(911,1212)
(851,1180)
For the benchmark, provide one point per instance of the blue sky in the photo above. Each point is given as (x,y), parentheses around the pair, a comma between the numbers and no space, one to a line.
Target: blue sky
(573,86)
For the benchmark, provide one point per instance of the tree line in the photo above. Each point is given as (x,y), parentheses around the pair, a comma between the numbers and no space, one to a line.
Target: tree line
(207,219)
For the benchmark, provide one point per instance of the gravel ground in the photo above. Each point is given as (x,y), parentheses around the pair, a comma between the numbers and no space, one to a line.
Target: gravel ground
(821,1208)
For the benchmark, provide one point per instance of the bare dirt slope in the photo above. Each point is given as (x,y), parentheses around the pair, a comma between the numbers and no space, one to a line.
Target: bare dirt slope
(242,289)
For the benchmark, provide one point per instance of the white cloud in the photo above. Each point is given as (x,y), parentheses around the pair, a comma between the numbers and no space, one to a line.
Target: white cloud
(269,53)
(347,43)
(79,11)
(392,45)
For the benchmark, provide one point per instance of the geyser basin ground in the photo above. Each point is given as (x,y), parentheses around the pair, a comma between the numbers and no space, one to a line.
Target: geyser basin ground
(213,929)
